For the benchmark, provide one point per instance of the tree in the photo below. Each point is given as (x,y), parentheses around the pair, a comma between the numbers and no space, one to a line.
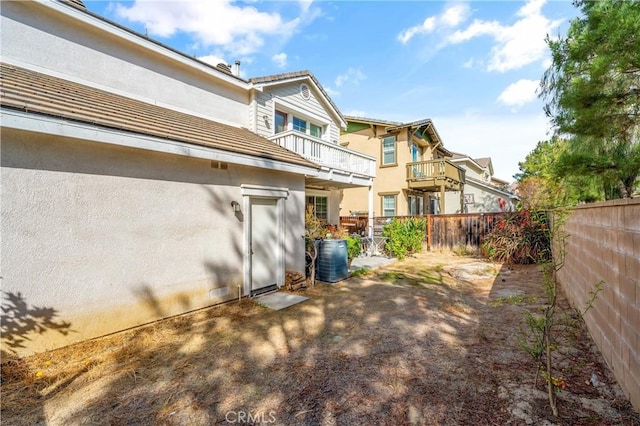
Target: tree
(543,184)
(592,93)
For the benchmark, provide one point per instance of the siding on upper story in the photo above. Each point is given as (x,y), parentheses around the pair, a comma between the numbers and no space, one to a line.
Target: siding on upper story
(53,38)
(288,98)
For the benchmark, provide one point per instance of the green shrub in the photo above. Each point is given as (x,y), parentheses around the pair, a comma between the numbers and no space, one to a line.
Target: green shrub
(519,238)
(354,246)
(404,238)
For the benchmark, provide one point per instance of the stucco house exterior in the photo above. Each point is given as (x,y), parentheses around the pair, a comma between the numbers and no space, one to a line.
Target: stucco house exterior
(413,169)
(140,183)
(483,192)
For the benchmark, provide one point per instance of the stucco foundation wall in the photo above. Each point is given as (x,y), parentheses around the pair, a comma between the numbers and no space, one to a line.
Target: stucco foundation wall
(111,237)
(604,244)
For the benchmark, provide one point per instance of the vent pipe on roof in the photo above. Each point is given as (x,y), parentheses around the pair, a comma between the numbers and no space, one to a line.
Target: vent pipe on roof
(236,69)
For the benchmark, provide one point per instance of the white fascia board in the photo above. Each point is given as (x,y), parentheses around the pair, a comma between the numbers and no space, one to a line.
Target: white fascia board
(333,175)
(58,127)
(139,40)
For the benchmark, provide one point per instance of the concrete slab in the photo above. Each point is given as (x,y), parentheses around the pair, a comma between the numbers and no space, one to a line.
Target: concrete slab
(278,301)
(370,262)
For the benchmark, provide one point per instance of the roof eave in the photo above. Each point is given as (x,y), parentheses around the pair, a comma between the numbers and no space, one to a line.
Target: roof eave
(39,123)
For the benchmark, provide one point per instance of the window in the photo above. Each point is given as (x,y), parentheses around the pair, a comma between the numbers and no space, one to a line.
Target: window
(388,205)
(299,125)
(468,199)
(416,205)
(319,205)
(316,130)
(389,150)
(280,122)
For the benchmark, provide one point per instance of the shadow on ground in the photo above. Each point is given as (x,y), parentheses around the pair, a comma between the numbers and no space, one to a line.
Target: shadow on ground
(412,343)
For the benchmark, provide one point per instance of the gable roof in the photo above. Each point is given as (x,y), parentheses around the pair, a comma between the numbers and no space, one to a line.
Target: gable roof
(36,93)
(392,126)
(481,163)
(296,76)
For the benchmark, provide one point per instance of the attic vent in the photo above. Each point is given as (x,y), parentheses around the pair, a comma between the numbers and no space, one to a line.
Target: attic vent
(304,92)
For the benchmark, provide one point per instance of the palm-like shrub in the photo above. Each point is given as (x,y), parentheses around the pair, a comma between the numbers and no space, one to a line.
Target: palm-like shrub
(519,238)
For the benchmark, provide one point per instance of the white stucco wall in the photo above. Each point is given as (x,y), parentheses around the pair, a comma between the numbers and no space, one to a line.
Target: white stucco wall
(112,237)
(38,37)
(485,200)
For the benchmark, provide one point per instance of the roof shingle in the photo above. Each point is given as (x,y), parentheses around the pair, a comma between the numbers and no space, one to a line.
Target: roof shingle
(39,93)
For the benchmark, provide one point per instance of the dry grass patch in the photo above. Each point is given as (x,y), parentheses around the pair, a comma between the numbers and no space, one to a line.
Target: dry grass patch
(407,344)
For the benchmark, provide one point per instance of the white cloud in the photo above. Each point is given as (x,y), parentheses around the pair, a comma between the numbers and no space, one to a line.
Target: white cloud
(452,16)
(280,59)
(238,29)
(507,139)
(515,45)
(355,113)
(331,92)
(353,76)
(519,93)
(212,59)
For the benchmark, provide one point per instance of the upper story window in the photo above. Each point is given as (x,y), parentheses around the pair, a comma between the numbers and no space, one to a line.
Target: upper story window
(315,130)
(284,121)
(389,150)
(280,122)
(299,125)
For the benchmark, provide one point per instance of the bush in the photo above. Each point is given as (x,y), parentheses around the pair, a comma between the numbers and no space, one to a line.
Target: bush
(404,238)
(519,238)
(354,246)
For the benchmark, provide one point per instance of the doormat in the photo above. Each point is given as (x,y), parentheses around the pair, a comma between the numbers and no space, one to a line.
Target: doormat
(278,300)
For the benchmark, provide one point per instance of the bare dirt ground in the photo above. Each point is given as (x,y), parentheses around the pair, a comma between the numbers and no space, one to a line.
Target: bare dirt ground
(430,340)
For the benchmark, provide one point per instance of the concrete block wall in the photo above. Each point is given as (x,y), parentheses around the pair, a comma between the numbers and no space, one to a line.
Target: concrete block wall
(604,244)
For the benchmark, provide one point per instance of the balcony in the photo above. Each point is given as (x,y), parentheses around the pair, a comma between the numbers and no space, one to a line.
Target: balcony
(435,175)
(338,164)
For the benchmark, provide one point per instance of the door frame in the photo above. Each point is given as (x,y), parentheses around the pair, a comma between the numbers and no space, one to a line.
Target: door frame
(280,195)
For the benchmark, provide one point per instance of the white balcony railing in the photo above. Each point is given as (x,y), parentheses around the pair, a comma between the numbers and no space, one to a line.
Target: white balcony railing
(326,153)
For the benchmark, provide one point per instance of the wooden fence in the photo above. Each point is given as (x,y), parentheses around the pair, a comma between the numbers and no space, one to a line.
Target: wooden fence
(443,230)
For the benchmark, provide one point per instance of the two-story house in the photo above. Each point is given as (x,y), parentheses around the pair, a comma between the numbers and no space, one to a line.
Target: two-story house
(483,192)
(413,169)
(294,111)
(139,182)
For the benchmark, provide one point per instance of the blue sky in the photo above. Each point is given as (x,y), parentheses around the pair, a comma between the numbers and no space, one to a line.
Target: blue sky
(472,67)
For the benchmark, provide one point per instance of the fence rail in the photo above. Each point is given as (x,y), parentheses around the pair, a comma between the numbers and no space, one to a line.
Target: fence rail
(443,230)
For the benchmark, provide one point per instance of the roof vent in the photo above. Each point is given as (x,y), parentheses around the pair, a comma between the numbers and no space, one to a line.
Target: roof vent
(224,67)
(76,3)
(304,92)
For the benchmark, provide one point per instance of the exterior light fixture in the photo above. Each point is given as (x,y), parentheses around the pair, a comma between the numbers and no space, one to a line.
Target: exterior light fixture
(236,206)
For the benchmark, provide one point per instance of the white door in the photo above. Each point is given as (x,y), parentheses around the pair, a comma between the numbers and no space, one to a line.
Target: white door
(264,244)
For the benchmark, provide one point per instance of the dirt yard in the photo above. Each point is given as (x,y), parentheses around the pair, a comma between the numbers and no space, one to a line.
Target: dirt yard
(431,340)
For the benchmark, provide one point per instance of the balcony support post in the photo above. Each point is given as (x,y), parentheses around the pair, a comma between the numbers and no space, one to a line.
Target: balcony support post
(370,217)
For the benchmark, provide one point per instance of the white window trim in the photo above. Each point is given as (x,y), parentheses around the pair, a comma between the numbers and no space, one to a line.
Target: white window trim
(291,110)
(395,151)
